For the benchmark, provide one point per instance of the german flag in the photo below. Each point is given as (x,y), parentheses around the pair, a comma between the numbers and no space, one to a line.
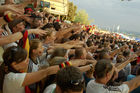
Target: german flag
(24,42)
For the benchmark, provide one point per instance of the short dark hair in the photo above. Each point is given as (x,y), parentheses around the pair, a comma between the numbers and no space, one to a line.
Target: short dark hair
(48,25)
(70,78)
(102,55)
(120,59)
(13,23)
(10,55)
(102,68)
(89,43)
(57,60)
(57,26)
(126,53)
(79,52)
(50,18)
(59,52)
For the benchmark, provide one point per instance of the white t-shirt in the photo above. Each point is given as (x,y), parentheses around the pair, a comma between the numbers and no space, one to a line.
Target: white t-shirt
(94,87)
(50,89)
(13,83)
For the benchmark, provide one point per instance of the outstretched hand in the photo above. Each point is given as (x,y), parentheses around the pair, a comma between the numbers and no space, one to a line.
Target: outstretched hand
(37,32)
(133,58)
(40,32)
(17,8)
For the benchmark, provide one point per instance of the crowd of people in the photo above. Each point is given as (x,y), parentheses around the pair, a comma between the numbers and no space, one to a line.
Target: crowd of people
(41,53)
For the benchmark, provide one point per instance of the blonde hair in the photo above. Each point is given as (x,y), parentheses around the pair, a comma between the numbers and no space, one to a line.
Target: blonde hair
(49,33)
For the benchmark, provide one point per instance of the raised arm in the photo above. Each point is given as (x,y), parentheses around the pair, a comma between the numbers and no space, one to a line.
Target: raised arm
(37,31)
(113,53)
(86,67)
(33,77)
(60,34)
(10,38)
(80,62)
(39,75)
(66,46)
(133,84)
(17,36)
(120,66)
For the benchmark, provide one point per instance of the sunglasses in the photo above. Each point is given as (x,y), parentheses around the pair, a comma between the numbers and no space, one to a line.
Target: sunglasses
(14,50)
(77,82)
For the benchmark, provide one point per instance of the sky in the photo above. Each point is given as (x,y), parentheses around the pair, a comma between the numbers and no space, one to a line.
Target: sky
(109,13)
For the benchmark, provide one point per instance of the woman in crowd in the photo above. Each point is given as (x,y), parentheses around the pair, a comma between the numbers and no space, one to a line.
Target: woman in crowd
(14,77)
(36,56)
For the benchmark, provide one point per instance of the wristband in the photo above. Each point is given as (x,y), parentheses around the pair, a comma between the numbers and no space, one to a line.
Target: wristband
(68,63)
(62,65)
(8,17)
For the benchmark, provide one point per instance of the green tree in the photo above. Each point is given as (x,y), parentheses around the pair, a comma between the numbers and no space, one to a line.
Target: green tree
(82,17)
(71,11)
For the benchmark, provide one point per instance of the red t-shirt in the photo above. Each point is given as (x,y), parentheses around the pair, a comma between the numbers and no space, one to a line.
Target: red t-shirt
(138,60)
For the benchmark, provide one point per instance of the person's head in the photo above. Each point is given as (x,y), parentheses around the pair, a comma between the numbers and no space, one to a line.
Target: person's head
(28,10)
(47,15)
(135,49)
(77,37)
(59,52)
(112,47)
(50,19)
(16,25)
(45,20)
(72,56)
(104,70)
(36,47)
(37,21)
(57,26)
(106,44)
(104,55)
(89,43)
(126,53)
(15,58)
(64,40)
(80,53)
(49,37)
(120,59)
(138,71)
(57,60)
(69,80)
(48,26)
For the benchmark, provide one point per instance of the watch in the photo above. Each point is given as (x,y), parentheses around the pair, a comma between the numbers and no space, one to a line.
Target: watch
(91,66)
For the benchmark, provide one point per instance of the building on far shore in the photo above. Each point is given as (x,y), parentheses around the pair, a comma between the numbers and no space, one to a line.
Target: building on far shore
(57,7)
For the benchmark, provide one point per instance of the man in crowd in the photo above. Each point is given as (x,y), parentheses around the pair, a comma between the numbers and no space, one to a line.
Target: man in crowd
(104,70)
(69,80)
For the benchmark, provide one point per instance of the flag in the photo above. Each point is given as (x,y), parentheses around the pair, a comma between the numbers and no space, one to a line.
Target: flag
(24,42)
(118,28)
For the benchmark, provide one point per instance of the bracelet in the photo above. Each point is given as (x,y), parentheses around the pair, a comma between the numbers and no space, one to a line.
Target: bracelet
(8,17)
(68,63)
(65,64)
(62,65)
